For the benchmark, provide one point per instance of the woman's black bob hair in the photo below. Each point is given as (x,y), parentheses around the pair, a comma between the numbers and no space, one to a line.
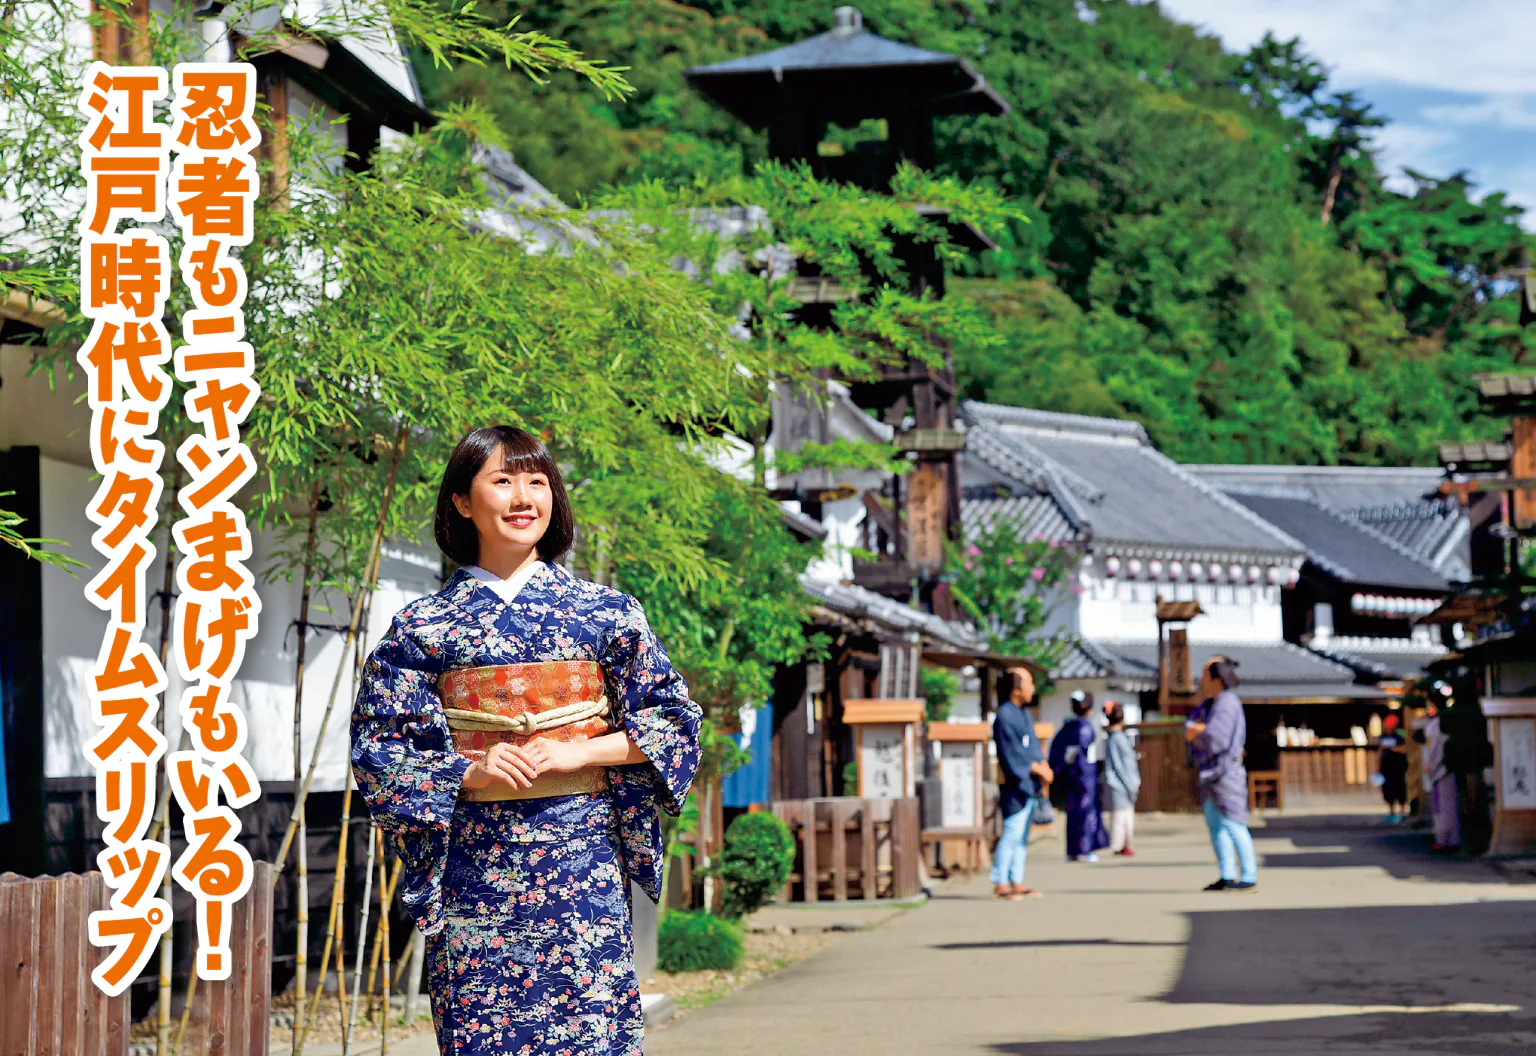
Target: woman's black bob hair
(1224,670)
(520,452)
(1082,702)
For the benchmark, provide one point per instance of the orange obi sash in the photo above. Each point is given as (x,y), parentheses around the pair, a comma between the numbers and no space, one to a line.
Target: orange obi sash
(560,700)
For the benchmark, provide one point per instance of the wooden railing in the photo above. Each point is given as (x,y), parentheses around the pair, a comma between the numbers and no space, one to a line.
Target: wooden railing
(847,848)
(50,1007)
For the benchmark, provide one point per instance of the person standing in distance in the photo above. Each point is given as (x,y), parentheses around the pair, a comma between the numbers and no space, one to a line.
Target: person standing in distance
(1025,777)
(1217,732)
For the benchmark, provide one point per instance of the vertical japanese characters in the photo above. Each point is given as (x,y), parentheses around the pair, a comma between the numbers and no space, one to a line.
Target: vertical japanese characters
(212,197)
(209,192)
(125,278)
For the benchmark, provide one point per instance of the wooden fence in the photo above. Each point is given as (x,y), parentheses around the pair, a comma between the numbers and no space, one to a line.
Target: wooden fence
(48,1004)
(1167,782)
(847,848)
(50,1007)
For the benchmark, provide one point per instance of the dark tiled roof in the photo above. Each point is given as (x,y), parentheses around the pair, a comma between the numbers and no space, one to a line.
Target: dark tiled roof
(1430,528)
(1386,665)
(1038,516)
(1346,549)
(1119,488)
(1340,487)
(1269,663)
(859,603)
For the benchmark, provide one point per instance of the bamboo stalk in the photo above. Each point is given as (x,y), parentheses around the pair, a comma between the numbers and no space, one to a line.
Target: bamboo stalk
(384,945)
(386,899)
(338,895)
(370,572)
(301,962)
(168,580)
(413,973)
(362,930)
(186,1012)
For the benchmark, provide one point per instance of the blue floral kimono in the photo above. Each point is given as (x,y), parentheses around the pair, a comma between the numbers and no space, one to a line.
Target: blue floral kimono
(525,903)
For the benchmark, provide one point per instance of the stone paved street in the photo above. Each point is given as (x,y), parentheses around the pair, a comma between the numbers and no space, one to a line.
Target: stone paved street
(1357,942)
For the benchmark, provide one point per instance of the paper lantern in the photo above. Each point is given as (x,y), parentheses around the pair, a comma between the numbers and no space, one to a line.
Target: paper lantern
(1175,570)
(1133,567)
(1196,570)
(1155,568)
(1111,566)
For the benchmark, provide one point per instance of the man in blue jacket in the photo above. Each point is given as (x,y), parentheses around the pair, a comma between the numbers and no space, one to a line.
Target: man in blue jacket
(1025,777)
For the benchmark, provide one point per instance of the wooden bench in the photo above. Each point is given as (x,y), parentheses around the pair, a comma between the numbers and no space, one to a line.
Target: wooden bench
(974,841)
(1266,785)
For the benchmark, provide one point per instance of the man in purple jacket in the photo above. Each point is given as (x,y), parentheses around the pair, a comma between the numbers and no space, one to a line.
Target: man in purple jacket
(1217,732)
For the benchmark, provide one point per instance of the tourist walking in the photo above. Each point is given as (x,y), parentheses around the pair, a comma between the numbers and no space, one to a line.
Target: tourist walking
(1025,778)
(1074,760)
(1439,781)
(515,736)
(1122,781)
(1217,732)
(1393,767)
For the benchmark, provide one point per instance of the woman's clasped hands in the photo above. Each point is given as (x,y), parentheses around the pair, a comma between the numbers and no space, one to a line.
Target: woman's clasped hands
(518,765)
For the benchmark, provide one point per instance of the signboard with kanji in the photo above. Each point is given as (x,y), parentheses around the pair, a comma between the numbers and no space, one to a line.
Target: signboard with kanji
(882,761)
(1517,763)
(927,502)
(957,775)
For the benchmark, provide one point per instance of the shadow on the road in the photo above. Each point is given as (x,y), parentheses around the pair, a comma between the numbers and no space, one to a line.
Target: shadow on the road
(1355,841)
(1482,952)
(1385,1034)
(1045,943)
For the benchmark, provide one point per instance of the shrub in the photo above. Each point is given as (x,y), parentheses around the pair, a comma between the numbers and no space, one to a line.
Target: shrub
(692,942)
(939,687)
(755,861)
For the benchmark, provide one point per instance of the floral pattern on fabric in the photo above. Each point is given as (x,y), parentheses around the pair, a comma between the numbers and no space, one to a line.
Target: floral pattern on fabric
(524,899)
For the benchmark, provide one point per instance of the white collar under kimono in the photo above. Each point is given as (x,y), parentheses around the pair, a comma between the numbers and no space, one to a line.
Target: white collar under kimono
(506,589)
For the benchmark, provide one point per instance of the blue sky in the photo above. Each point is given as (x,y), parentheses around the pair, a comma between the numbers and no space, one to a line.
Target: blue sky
(1457,77)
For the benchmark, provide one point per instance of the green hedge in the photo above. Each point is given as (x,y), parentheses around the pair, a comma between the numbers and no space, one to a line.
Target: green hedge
(691,942)
(755,862)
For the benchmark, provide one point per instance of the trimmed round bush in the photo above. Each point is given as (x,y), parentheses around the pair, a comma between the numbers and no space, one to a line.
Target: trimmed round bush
(755,862)
(692,942)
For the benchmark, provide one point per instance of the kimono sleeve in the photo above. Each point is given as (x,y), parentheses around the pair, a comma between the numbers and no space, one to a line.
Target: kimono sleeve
(659,716)
(407,769)
(1008,733)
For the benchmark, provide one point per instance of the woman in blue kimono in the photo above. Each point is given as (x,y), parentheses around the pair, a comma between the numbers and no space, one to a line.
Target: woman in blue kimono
(1074,758)
(515,735)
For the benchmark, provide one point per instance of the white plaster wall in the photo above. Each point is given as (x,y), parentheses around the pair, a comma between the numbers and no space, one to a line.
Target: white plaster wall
(843,521)
(73,629)
(1126,610)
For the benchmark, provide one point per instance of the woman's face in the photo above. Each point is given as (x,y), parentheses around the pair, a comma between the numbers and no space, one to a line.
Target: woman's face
(510,511)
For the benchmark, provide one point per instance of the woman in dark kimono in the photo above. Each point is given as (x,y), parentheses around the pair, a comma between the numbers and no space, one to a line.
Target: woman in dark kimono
(515,735)
(1074,758)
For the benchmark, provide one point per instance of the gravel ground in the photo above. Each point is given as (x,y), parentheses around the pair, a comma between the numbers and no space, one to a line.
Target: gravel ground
(766,953)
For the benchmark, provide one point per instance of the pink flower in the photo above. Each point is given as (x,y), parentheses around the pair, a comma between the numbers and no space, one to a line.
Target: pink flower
(1007,560)
(969,566)
(1037,574)
(1077,588)
(973,550)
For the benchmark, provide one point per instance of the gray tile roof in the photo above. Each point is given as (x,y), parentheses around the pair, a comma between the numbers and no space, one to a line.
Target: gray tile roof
(1341,487)
(1344,548)
(1038,516)
(1276,670)
(1116,487)
(1398,502)
(1383,665)
(859,603)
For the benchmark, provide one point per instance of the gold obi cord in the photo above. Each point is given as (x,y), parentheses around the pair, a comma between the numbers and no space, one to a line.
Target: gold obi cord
(560,700)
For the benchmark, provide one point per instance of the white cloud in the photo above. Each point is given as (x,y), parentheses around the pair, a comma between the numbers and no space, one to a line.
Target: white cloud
(1413,146)
(1498,111)
(1469,46)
